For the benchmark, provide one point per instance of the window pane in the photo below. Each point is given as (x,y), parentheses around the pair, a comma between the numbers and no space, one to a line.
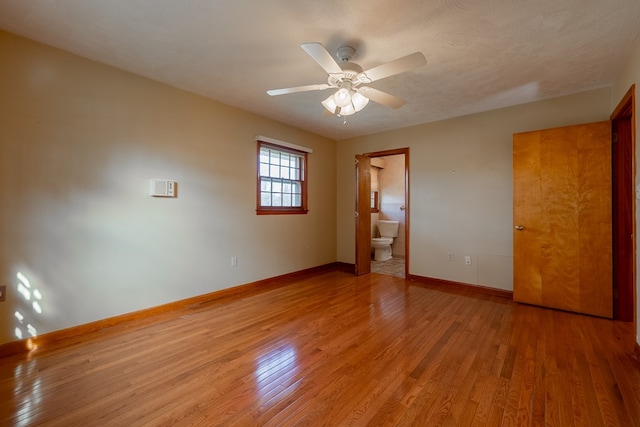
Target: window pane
(285,173)
(274,158)
(286,200)
(264,155)
(265,199)
(296,200)
(276,199)
(286,187)
(274,171)
(264,169)
(265,185)
(277,187)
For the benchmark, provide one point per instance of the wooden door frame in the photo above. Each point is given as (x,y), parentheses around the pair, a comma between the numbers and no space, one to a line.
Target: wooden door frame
(624,246)
(405,152)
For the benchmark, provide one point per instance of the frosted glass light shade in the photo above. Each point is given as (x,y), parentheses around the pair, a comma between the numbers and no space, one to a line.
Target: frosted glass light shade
(359,101)
(330,104)
(342,97)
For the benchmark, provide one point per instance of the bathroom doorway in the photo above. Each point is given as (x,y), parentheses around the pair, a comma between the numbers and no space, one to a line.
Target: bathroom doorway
(389,183)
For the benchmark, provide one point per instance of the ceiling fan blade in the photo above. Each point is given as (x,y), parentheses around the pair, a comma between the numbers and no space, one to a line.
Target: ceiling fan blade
(306,88)
(322,57)
(401,65)
(381,97)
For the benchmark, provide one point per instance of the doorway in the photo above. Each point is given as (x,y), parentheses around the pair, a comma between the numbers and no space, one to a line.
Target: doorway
(387,182)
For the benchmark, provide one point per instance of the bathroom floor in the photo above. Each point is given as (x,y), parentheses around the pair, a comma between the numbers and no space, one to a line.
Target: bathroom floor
(391,267)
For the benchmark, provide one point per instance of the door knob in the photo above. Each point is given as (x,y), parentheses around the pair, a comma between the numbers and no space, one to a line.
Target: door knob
(519,227)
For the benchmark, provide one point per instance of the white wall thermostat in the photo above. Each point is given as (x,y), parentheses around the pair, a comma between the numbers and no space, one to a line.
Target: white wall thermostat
(162,188)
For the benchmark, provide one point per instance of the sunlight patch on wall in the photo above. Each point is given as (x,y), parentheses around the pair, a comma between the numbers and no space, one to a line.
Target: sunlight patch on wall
(33,298)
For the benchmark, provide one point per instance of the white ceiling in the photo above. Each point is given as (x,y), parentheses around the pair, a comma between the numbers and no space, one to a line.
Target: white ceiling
(481,54)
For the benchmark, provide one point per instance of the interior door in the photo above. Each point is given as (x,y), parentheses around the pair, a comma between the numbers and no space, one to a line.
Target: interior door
(363,215)
(562,218)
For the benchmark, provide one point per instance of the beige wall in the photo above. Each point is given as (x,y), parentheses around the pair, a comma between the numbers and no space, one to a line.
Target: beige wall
(631,76)
(461,186)
(79,143)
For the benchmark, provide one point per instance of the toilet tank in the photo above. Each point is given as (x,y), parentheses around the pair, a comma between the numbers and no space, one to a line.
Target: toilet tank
(388,228)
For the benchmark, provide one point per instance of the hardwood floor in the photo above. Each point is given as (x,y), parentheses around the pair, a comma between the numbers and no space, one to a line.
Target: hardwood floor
(332,350)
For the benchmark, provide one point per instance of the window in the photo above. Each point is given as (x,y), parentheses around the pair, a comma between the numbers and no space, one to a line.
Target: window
(374,202)
(282,184)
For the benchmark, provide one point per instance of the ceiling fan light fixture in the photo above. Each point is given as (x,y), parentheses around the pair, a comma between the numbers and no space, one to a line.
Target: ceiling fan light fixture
(356,102)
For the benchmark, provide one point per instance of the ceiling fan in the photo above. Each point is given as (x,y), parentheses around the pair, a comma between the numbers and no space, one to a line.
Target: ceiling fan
(348,77)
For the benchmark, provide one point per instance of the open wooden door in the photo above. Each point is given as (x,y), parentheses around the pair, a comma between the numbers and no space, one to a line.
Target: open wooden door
(562,218)
(363,215)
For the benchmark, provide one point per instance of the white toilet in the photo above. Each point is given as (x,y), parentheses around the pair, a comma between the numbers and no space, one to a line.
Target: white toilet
(382,245)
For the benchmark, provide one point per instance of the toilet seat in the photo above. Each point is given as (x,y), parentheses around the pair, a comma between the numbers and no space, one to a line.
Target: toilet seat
(383,241)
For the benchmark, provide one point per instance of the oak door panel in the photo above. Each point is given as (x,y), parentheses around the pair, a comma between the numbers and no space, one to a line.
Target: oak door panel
(562,199)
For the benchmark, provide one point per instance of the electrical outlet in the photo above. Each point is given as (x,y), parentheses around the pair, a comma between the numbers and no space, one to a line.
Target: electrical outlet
(450,256)
(467,260)
(3,293)
(234,261)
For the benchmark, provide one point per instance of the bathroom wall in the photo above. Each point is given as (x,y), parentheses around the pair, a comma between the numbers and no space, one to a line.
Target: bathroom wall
(392,198)
(79,143)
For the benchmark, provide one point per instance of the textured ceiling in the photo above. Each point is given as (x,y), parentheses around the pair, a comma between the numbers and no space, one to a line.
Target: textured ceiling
(481,54)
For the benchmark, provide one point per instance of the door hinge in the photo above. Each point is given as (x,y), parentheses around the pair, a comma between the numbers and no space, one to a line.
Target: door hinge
(614,137)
